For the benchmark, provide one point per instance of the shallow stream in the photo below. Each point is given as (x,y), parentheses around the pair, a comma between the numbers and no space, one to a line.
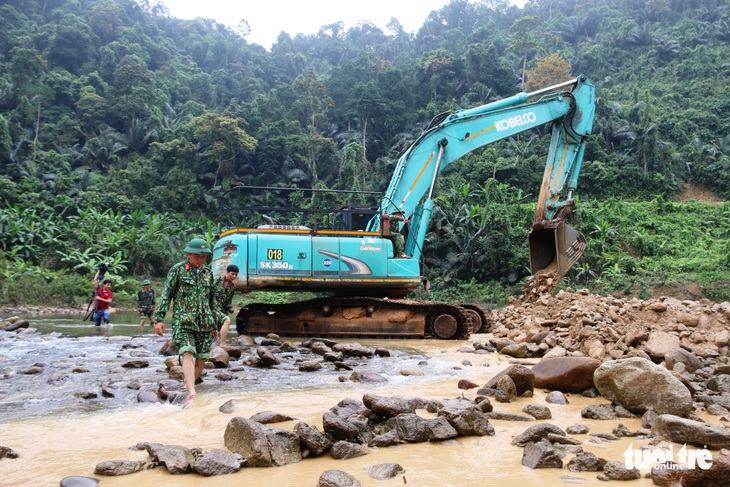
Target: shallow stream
(57,433)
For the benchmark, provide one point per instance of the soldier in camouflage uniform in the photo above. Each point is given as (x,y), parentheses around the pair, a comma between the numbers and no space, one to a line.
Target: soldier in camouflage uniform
(225,287)
(146,303)
(190,288)
(395,236)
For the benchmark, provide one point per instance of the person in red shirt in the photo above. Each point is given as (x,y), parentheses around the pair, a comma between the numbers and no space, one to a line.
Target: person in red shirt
(104,297)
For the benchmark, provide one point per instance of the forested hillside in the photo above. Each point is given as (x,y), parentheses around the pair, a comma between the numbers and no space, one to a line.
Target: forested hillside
(120,126)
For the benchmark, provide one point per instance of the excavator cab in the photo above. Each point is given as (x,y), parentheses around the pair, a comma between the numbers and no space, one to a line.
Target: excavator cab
(554,246)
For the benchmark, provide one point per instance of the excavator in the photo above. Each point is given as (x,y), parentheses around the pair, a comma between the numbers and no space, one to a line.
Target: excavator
(349,256)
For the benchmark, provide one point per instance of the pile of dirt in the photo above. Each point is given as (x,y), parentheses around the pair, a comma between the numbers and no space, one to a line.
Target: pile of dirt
(606,327)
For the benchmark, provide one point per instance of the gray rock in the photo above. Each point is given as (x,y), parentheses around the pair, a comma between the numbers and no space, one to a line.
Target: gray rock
(136,364)
(601,412)
(17,325)
(76,481)
(682,430)
(577,429)
(353,350)
(228,407)
(508,416)
(337,478)
(523,378)
(660,342)
(516,350)
(176,459)
(146,395)
(320,348)
(413,428)
(269,417)
(505,390)
(639,385)
(381,352)
(310,437)
(466,419)
(389,438)
(719,383)
(678,355)
(556,397)
(618,471)
(667,474)
(267,358)
(562,440)
(114,468)
(365,376)
(219,357)
(217,462)
(261,445)
(537,411)
(6,452)
(387,407)
(716,476)
(384,471)
(411,372)
(57,377)
(541,455)
(534,434)
(339,428)
(310,366)
(344,450)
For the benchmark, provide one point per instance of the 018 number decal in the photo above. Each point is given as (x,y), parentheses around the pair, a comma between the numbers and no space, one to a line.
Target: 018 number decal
(274,254)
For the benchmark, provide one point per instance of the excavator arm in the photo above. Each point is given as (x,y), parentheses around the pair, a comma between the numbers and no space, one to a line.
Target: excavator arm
(569,107)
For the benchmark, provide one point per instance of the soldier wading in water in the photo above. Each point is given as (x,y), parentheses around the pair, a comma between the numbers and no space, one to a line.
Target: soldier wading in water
(190,288)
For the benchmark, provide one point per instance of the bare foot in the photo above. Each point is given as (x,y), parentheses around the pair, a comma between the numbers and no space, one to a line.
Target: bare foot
(188,400)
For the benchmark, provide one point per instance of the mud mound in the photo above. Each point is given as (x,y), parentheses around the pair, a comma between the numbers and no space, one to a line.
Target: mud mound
(606,327)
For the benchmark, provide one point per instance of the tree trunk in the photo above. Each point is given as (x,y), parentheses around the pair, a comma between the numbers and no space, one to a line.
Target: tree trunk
(37,131)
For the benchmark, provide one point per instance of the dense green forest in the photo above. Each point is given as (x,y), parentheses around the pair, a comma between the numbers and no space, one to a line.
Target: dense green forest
(120,127)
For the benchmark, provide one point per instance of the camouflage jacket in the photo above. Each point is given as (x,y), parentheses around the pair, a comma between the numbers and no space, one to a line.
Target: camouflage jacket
(223,296)
(223,293)
(146,299)
(192,295)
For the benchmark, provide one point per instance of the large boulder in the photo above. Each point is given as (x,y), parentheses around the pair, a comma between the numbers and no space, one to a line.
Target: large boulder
(716,476)
(640,385)
(261,445)
(565,374)
(687,431)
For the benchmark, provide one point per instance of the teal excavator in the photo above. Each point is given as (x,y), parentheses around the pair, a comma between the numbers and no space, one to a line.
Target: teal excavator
(351,259)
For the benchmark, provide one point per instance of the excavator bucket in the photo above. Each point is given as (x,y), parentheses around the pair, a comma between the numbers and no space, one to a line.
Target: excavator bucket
(554,245)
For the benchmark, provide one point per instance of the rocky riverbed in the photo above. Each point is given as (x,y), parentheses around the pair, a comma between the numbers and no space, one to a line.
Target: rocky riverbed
(575,387)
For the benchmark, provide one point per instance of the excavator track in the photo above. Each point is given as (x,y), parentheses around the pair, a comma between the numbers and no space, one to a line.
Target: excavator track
(480,317)
(364,317)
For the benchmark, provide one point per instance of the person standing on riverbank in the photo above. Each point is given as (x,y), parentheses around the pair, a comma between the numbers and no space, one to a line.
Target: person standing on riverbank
(225,287)
(191,290)
(104,296)
(146,303)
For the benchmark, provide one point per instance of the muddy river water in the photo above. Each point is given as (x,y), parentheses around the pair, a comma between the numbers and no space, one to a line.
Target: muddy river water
(57,433)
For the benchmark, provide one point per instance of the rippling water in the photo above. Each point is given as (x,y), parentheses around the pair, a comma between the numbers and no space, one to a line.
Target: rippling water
(59,434)
(74,360)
